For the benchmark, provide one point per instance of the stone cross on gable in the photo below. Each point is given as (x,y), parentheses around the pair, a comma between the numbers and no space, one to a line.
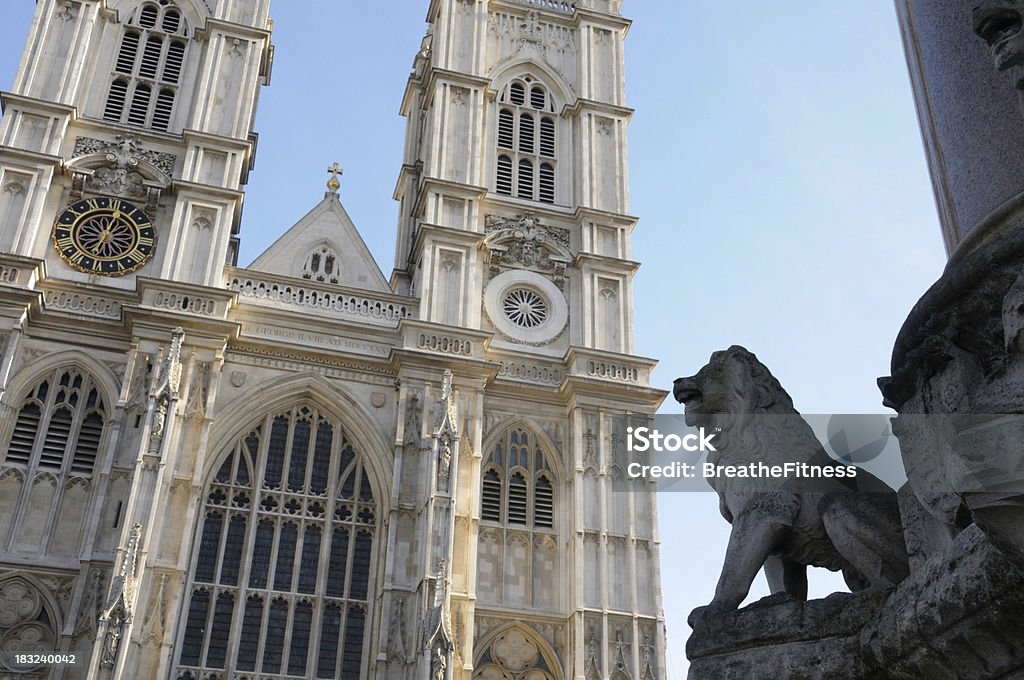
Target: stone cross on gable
(333,184)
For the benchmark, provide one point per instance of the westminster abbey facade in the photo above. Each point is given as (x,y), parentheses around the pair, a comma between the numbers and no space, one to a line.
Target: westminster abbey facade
(302,468)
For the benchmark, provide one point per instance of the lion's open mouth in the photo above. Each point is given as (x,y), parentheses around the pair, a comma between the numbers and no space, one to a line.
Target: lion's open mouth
(688,396)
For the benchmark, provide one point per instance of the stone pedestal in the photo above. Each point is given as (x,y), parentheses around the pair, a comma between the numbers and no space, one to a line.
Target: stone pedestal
(960,617)
(793,640)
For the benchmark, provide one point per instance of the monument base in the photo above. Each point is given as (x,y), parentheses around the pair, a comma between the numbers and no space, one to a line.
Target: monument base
(961,617)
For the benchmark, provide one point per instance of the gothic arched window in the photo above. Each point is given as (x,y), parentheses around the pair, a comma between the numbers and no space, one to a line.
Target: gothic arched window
(281,576)
(515,654)
(51,455)
(517,556)
(526,142)
(517,487)
(321,265)
(59,425)
(147,69)
(25,623)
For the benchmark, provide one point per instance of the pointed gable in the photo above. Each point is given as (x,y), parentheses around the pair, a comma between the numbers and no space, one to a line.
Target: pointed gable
(324,246)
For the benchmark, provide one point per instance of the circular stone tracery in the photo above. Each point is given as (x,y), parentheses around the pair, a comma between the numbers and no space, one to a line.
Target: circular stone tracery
(525,307)
(106,237)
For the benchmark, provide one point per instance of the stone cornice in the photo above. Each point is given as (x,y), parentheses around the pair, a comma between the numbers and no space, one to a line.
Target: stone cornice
(31,156)
(36,105)
(221,142)
(581,105)
(615,219)
(448,188)
(231,28)
(613,21)
(466,238)
(606,262)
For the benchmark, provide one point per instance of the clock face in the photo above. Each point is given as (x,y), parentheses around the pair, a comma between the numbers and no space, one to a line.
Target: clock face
(105,236)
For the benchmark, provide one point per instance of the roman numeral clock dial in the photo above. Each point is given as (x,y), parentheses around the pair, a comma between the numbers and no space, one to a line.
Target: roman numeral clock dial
(104,236)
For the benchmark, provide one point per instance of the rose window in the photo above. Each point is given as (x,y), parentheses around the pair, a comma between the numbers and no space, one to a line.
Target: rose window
(525,307)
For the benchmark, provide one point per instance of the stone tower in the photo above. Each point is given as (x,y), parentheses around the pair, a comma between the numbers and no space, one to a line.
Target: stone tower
(514,222)
(299,468)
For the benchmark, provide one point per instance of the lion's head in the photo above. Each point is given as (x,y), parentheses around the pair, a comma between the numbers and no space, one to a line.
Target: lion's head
(733,382)
(727,395)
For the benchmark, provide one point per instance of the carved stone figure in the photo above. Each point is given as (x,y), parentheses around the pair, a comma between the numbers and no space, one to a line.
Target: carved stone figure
(396,632)
(787,529)
(112,640)
(522,241)
(999,24)
(439,667)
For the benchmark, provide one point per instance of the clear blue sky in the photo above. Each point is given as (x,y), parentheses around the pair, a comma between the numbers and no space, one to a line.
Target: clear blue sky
(776,168)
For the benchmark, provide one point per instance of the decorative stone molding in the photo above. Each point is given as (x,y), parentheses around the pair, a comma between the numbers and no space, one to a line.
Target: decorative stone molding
(522,241)
(9,274)
(483,625)
(621,646)
(563,6)
(155,618)
(531,373)
(60,587)
(66,11)
(592,658)
(612,371)
(16,188)
(308,297)
(120,601)
(648,652)
(89,609)
(460,95)
(444,344)
(329,368)
(180,302)
(91,305)
(609,367)
(530,28)
(413,418)
(120,175)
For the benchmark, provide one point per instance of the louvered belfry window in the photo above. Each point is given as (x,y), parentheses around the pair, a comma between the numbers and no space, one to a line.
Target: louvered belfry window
(527,143)
(517,487)
(147,69)
(59,427)
(281,578)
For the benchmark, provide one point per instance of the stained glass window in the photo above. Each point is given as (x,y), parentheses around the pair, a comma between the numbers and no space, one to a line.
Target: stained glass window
(257,589)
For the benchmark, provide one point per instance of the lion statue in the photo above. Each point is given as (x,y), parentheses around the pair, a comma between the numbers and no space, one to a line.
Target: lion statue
(843,524)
